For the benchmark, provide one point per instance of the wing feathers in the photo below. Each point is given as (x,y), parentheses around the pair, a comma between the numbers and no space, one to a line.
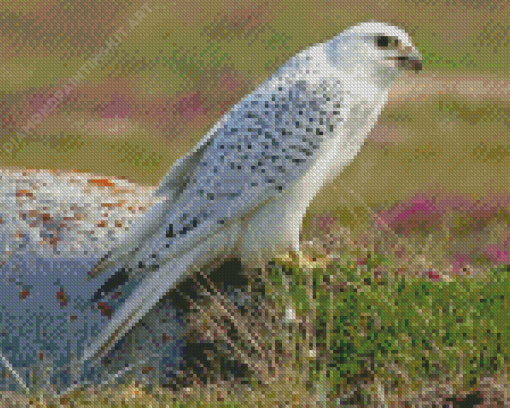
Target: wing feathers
(155,286)
(170,188)
(136,235)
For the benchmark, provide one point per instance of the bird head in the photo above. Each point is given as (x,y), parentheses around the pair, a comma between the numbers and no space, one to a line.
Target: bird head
(374,50)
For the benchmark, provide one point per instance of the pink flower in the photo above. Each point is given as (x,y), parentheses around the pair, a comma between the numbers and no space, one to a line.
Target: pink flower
(497,254)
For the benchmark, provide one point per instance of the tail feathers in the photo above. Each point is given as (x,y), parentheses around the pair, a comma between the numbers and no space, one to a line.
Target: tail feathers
(118,255)
(118,279)
(156,285)
(128,247)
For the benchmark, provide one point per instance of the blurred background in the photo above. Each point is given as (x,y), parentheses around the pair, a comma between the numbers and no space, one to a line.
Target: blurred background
(124,88)
(151,78)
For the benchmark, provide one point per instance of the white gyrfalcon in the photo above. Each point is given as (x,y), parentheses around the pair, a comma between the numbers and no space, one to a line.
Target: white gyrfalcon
(245,188)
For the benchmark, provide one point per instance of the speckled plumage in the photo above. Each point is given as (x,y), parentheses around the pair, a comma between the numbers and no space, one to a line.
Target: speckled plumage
(244,190)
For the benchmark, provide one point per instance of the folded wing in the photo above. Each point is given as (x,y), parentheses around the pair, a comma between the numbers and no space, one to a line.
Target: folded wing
(265,143)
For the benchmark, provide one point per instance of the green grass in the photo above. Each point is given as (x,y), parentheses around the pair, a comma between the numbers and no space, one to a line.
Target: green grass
(398,333)
(455,330)
(373,325)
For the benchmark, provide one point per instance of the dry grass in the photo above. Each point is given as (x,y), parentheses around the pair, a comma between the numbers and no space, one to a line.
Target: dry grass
(279,352)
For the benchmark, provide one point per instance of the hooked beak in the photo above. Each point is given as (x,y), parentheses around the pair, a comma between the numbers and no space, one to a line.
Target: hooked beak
(411,61)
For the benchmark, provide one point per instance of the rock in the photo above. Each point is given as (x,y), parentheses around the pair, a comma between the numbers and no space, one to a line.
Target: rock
(54,226)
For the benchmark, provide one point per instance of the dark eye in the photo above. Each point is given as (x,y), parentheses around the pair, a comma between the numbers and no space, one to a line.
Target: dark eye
(383,41)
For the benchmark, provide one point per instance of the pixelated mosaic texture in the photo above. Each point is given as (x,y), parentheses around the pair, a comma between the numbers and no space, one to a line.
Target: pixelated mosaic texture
(51,241)
(441,140)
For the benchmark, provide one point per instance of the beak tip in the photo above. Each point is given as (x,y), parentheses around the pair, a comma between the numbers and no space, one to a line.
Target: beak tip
(416,65)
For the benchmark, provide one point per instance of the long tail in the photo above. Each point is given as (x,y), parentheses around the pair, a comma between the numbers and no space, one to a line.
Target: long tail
(156,285)
(130,244)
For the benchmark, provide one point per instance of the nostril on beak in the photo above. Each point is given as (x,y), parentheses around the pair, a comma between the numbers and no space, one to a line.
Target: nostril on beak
(413,63)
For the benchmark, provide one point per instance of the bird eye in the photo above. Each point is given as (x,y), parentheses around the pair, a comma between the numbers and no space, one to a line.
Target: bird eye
(384,41)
